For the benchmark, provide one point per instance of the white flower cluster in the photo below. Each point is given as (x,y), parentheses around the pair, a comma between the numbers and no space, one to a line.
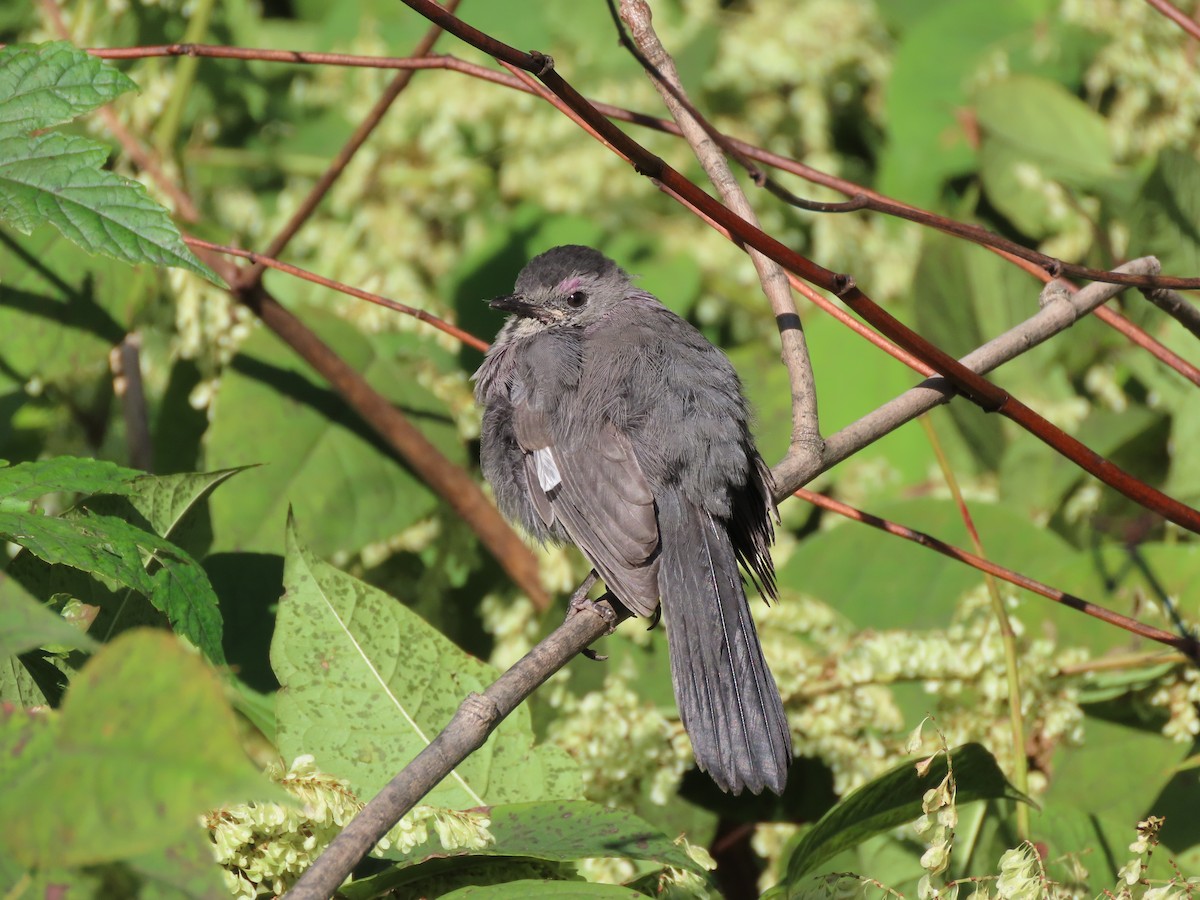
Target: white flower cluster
(265,847)
(837,685)
(1179,694)
(939,818)
(1145,75)
(625,747)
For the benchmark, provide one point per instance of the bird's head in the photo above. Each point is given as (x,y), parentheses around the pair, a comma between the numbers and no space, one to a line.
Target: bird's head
(569,286)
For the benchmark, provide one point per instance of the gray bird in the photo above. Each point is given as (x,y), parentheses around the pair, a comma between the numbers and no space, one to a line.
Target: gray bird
(611,423)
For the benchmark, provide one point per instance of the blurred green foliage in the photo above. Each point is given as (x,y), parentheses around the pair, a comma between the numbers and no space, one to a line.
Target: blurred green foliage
(1067,125)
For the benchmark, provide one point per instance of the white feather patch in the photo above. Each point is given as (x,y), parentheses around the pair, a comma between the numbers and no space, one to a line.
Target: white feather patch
(547,469)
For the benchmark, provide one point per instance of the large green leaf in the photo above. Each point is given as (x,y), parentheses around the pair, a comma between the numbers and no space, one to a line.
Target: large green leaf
(1084,777)
(145,735)
(118,553)
(367,684)
(937,53)
(317,455)
(893,799)
(60,179)
(828,564)
(48,85)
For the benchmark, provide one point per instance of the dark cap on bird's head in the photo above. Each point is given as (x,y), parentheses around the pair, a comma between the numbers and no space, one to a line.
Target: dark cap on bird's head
(565,285)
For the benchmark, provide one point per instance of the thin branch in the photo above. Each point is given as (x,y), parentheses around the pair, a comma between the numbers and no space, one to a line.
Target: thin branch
(990,397)
(1177,307)
(1060,309)
(361,133)
(806,434)
(861,198)
(1140,338)
(1175,15)
(125,361)
(261,260)
(1186,645)
(466,732)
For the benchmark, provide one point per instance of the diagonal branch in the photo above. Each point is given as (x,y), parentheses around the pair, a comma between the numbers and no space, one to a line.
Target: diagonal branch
(806,434)
(988,396)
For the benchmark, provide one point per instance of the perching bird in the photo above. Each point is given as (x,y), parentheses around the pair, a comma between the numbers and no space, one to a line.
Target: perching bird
(611,423)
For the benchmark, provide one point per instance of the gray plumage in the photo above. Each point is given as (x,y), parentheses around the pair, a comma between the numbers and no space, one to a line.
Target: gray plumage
(611,423)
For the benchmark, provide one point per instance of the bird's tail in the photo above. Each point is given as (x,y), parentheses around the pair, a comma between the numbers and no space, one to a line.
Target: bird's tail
(727,698)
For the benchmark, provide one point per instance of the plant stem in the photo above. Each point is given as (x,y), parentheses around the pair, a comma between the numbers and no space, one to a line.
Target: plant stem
(1007,637)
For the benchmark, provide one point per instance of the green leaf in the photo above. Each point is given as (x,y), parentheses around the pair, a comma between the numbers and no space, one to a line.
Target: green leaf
(937,53)
(317,454)
(517,890)
(1044,123)
(367,684)
(117,552)
(893,799)
(1085,777)
(26,624)
(67,474)
(828,565)
(164,500)
(53,83)
(57,178)
(1166,218)
(145,735)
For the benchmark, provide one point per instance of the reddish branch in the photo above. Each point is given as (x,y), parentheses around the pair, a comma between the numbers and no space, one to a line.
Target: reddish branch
(987,396)
(1175,15)
(1187,645)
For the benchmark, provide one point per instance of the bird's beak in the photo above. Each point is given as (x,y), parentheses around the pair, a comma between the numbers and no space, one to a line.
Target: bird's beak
(516,304)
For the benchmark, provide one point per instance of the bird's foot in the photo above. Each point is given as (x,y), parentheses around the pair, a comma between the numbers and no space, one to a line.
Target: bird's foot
(580,601)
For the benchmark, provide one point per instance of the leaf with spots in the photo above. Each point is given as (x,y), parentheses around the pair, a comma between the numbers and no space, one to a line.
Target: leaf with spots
(367,684)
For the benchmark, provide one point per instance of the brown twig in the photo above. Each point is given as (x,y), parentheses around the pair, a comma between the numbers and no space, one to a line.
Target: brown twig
(1177,307)
(1060,309)
(1175,15)
(806,434)
(1186,645)
(339,163)
(429,318)
(125,361)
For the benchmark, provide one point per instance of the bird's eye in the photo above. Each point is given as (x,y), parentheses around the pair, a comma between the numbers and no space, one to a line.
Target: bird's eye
(577,299)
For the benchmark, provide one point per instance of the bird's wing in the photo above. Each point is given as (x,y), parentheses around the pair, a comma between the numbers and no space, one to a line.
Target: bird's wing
(597,492)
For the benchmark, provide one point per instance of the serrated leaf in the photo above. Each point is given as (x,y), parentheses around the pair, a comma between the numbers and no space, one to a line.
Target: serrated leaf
(117,552)
(367,684)
(145,735)
(166,499)
(893,799)
(56,179)
(47,85)
(26,624)
(31,480)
